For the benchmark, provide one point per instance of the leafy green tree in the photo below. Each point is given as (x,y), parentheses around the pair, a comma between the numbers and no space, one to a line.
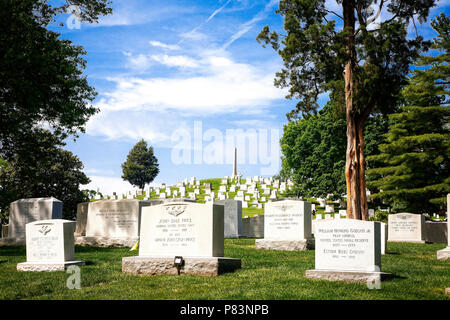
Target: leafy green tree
(41,168)
(415,170)
(41,76)
(314,154)
(42,85)
(322,48)
(141,166)
(314,151)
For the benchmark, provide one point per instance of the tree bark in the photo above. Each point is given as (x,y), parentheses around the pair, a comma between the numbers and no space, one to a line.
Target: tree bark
(355,160)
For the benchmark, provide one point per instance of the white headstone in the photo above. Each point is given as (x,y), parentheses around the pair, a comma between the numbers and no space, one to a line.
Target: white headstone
(182,229)
(24,211)
(114,218)
(287,220)
(49,245)
(348,245)
(406,227)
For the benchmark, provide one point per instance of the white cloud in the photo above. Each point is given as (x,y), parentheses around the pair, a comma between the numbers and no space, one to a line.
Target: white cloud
(164,45)
(254,124)
(139,62)
(143,62)
(220,85)
(194,34)
(217,11)
(244,28)
(175,61)
(108,185)
(127,13)
(133,124)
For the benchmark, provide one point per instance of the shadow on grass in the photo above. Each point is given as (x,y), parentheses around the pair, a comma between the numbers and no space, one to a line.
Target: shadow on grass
(392,276)
(12,251)
(96,249)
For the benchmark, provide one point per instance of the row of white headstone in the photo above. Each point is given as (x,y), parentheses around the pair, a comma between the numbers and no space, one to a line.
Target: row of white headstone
(250,186)
(346,247)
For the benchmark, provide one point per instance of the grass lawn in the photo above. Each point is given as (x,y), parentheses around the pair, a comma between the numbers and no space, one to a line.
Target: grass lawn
(264,275)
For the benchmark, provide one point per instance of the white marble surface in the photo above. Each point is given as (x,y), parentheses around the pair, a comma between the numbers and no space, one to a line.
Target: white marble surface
(348,245)
(182,229)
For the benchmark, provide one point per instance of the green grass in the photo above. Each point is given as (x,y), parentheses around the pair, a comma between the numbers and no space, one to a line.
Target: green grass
(264,275)
(251,211)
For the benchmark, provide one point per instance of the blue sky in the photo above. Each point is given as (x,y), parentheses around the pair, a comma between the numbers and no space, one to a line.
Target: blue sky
(181,75)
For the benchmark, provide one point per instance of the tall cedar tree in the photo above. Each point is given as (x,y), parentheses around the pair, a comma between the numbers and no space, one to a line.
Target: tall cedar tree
(415,175)
(141,166)
(371,57)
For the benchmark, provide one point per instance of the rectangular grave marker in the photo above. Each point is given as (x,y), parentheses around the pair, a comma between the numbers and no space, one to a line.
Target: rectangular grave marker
(192,231)
(287,226)
(49,246)
(406,227)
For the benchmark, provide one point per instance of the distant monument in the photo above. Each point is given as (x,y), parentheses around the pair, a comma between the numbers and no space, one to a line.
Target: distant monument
(235,175)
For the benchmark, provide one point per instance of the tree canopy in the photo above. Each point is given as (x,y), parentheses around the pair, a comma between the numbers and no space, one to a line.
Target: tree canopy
(41,76)
(141,166)
(325,51)
(414,173)
(44,98)
(41,168)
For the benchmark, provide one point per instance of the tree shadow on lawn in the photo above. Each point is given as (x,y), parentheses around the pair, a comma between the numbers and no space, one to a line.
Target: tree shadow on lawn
(12,251)
(393,276)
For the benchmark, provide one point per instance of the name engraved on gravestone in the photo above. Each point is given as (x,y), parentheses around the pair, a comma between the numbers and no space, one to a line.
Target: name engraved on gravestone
(186,229)
(281,220)
(175,231)
(114,218)
(287,220)
(348,245)
(24,211)
(42,245)
(118,218)
(405,224)
(406,227)
(29,212)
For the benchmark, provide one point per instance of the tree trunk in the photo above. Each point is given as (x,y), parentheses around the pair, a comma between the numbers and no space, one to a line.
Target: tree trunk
(354,162)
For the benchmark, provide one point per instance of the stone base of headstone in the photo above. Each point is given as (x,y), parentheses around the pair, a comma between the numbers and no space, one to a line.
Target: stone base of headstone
(409,241)
(203,266)
(347,276)
(286,245)
(12,242)
(105,242)
(444,254)
(47,267)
